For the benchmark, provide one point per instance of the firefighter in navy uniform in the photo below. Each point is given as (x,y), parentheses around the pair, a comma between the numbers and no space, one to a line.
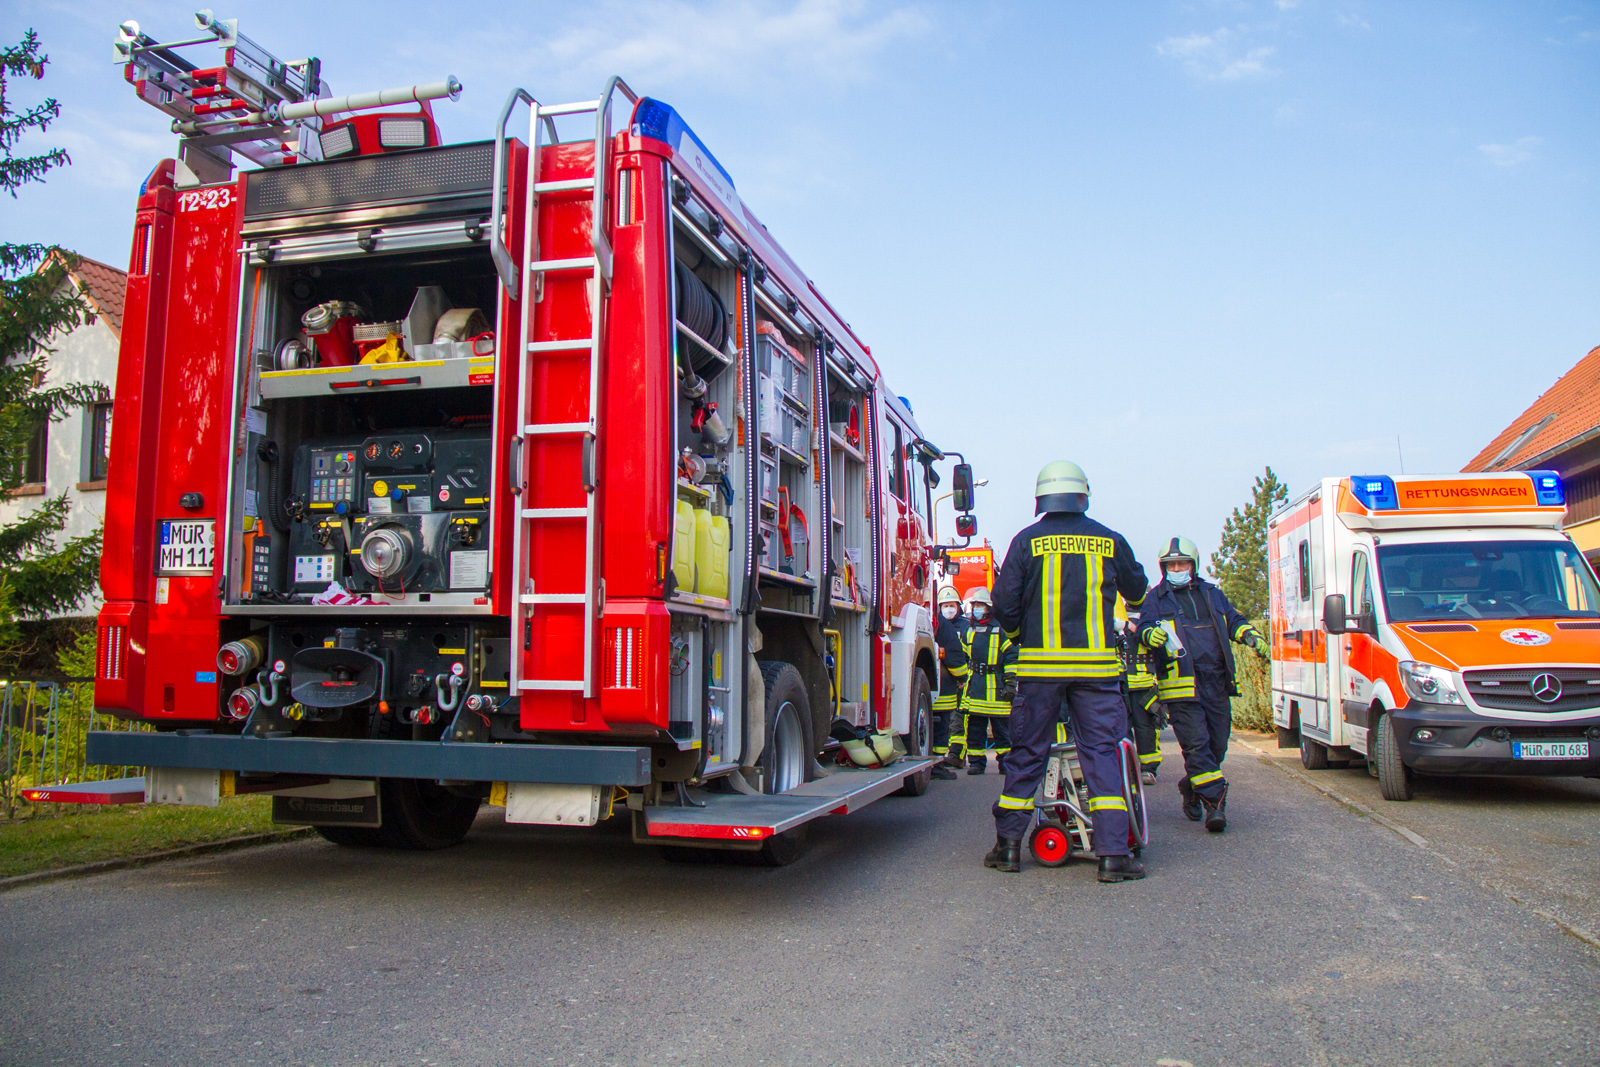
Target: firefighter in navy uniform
(991,658)
(1056,598)
(1195,673)
(1144,708)
(949,634)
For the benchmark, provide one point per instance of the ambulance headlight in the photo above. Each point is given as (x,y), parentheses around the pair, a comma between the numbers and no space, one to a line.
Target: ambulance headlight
(1429,684)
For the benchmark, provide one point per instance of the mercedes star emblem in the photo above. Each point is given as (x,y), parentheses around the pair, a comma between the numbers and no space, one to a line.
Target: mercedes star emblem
(1546,688)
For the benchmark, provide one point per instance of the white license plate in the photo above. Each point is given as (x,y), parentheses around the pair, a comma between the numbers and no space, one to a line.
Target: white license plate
(1549,750)
(185,546)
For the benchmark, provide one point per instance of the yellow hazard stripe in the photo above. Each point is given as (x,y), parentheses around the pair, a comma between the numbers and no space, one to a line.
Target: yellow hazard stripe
(1107,804)
(1050,586)
(1068,670)
(1177,690)
(1014,804)
(1202,779)
(988,707)
(1154,757)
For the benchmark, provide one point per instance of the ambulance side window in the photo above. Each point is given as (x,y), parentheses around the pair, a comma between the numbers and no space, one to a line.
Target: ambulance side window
(896,460)
(1305,570)
(1360,585)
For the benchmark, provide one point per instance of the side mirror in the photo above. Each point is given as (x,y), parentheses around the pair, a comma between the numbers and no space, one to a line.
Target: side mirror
(1336,621)
(966,525)
(961,486)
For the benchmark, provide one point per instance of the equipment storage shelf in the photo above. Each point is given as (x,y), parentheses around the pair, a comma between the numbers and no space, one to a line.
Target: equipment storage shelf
(384,378)
(365,484)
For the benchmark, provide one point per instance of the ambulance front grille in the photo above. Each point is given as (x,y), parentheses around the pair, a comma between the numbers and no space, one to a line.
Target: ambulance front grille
(1513,689)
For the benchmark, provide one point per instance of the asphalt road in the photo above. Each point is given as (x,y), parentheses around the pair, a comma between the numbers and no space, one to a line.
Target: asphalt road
(1309,933)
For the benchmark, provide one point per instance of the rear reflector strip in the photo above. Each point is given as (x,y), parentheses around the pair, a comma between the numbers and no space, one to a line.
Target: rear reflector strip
(624,657)
(738,833)
(111,653)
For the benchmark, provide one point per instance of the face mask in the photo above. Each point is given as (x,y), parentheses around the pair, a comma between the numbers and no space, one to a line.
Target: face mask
(949,611)
(979,612)
(1179,578)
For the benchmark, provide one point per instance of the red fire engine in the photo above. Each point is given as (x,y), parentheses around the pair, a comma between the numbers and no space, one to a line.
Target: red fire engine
(530,472)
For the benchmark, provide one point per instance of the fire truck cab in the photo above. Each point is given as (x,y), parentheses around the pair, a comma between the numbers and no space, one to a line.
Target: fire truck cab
(528,471)
(1434,625)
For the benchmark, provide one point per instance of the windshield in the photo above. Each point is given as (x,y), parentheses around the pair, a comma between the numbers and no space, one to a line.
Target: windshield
(1486,580)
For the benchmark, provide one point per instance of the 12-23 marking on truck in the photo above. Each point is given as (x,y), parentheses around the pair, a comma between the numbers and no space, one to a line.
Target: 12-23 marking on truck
(206,199)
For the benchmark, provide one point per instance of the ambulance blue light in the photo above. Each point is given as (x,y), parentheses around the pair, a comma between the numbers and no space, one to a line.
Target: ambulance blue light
(1375,491)
(1548,488)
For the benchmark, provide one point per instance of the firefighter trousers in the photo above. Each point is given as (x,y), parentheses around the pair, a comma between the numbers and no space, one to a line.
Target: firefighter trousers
(945,709)
(1099,723)
(1202,726)
(1145,715)
(980,729)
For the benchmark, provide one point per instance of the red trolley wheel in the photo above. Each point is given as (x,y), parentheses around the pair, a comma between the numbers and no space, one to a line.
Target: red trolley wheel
(1050,846)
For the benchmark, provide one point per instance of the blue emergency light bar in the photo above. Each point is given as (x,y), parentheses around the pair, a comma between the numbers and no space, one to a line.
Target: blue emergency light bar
(1548,488)
(1375,491)
(652,118)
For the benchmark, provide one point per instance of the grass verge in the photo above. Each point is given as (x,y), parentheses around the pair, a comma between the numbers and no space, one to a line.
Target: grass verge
(106,833)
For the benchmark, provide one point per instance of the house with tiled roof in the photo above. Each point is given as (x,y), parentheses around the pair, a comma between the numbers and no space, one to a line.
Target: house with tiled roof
(70,456)
(1560,431)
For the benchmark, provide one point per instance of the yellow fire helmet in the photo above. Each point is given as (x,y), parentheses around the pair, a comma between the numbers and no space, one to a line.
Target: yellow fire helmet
(948,595)
(1180,548)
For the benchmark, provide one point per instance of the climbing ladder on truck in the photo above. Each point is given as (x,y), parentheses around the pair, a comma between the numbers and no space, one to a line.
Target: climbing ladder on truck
(559,392)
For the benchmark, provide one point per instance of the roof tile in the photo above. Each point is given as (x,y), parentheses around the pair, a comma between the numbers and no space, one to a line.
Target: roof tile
(1567,410)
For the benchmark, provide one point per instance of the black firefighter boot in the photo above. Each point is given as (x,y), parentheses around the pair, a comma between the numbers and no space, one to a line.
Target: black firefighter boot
(943,771)
(1121,868)
(1191,800)
(1216,811)
(1006,854)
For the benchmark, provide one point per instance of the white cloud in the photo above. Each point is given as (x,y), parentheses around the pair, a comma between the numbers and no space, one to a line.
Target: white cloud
(1353,21)
(108,151)
(1223,55)
(676,44)
(1509,155)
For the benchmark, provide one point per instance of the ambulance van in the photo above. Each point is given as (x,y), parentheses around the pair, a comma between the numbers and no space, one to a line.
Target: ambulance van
(1434,625)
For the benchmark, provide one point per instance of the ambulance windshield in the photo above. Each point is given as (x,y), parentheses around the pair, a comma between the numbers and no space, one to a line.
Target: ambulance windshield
(1486,580)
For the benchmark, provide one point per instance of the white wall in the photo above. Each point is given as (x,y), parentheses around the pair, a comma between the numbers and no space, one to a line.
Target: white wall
(86,354)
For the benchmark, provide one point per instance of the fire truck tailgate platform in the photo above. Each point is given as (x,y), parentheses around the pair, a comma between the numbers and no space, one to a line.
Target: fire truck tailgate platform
(115,791)
(337,758)
(751,818)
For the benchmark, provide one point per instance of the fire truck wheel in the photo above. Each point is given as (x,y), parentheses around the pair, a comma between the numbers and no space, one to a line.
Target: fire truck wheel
(351,836)
(780,850)
(787,760)
(919,740)
(422,816)
(1313,756)
(1394,777)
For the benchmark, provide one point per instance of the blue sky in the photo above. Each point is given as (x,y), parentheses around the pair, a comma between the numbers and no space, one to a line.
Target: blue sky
(1175,242)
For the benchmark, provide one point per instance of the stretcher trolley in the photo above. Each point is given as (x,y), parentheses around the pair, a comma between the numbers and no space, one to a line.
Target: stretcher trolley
(1062,829)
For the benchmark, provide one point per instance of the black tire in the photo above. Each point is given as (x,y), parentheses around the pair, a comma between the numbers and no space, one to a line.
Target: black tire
(351,836)
(1394,777)
(780,850)
(1313,754)
(422,816)
(920,739)
(786,761)
(1133,796)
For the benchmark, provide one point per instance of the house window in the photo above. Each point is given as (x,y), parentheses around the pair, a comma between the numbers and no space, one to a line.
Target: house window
(35,454)
(97,442)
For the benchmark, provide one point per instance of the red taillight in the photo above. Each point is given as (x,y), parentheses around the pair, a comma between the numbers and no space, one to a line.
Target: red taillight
(624,657)
(110,655)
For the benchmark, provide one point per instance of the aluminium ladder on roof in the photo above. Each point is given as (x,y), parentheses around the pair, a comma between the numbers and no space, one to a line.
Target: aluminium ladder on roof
(556,603)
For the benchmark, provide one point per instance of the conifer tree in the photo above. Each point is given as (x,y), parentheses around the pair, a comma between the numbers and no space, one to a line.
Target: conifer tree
(1239,565)
(37,576)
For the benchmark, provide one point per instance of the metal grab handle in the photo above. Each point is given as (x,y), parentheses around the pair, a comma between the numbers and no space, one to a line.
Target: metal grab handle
(588,463)
(514,466)
(497,246)
(602,165)
(453,683)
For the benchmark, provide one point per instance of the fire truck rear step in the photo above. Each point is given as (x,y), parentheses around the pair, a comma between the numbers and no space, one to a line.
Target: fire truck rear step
(360,758)
(736,817)
(115,791)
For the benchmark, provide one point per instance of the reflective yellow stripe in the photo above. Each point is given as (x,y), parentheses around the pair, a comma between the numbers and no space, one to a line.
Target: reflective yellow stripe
(1061,733)
(1133,603)
(1050,587)
(1105,804)
(1154,757)
(1094,615)
(959,672)
(1202,779)
(1177,689)
(1013,804)
(988,707)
